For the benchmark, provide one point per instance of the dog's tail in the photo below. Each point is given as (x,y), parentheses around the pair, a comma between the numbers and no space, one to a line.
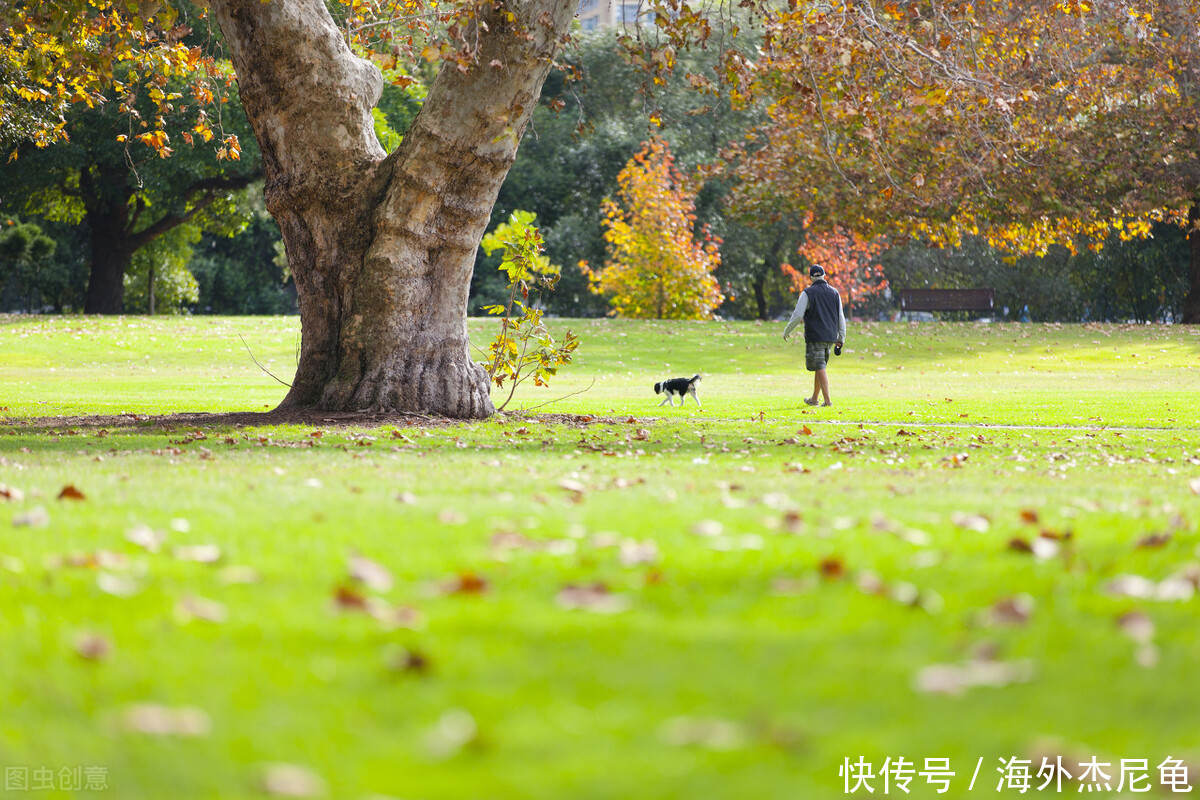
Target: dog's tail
(694,378)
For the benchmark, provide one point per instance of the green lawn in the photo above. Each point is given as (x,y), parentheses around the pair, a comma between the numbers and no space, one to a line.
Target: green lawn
(986,549)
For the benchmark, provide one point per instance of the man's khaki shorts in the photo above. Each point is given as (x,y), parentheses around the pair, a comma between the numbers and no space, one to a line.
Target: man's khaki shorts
(816,355)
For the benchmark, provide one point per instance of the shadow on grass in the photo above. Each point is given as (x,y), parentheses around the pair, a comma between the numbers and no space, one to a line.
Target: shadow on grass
(292,416)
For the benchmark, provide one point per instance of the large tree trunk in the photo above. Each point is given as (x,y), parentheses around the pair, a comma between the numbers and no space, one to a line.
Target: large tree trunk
(772,264)
(110,258)
(1191,303)
(114,232)
(760,294)
(382,248)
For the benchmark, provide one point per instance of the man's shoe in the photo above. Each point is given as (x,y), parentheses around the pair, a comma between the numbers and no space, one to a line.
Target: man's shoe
(810,401)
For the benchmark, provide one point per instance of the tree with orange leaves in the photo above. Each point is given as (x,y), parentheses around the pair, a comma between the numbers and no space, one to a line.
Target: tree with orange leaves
(1025,123)
(656,268)
(850,261)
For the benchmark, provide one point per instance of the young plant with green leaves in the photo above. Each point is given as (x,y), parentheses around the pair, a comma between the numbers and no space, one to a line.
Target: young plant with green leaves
(524,348)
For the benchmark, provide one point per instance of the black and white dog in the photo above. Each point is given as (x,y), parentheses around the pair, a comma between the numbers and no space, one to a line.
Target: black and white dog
(678,386)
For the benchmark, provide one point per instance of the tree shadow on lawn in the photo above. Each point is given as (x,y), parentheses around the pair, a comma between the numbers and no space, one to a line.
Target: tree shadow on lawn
(303,417)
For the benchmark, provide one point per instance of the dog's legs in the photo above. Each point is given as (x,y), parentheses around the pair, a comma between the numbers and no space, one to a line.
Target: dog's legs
(695,396)
(668,400)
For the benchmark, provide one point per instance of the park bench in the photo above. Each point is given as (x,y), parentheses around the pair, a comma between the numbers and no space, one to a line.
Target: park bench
(947,300)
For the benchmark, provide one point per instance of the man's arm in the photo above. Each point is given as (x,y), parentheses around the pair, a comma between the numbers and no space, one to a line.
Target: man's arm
(797,315)
(841,321)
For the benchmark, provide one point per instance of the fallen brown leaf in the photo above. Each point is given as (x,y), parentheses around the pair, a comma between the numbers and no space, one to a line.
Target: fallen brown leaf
(1014,610)
(905,593)
(405,660)
(831,568)
(1146,655)
(1174,588)
(709,733)
(633,552)
(117,585)
(192,607)
(1154,541)
(465,583)
(1058,536)
(1044,548)
(971,522)
(869,582)
(238,573)
(348,596)
(36,517)
(793,587)
(453,731)
(1191,574)
(370,573)
(1020,545)
(200,553)
(291,780)
(594,596)
(1137,625)
(955,679)
(69,492)
(391,616)
(574,487)
(158,720)
(145,537)
(93,647)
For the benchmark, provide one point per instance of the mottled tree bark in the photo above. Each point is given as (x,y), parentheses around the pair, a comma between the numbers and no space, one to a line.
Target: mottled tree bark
(382,248)
(1191,303)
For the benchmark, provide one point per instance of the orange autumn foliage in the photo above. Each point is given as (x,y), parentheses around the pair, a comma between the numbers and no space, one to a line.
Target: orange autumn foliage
(851,262)
(55,55)
(1026,124)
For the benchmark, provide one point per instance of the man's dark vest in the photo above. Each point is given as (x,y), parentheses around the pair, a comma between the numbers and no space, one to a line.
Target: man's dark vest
(821,321)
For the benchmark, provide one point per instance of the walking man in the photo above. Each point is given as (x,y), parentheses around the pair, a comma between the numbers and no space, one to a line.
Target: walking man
(820,307)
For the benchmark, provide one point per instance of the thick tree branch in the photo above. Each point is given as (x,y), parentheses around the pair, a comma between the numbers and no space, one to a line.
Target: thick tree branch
(210,188)
(137,213)
(307,96)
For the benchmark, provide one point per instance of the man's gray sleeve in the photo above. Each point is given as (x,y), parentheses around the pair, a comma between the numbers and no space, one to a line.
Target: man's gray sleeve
(841,321)
(798,314)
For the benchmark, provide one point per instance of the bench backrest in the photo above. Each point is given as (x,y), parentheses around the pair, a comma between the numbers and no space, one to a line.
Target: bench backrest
(947,299)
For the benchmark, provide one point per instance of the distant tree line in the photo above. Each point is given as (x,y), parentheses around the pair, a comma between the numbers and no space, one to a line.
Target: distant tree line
(94,224)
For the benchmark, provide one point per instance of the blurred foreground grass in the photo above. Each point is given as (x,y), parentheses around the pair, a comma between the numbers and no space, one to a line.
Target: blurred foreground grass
(985,550)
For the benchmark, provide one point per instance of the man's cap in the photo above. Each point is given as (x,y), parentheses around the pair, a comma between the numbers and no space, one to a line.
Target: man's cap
(816,271)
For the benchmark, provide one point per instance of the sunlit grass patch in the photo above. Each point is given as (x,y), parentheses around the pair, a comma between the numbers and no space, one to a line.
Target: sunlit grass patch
(621,600)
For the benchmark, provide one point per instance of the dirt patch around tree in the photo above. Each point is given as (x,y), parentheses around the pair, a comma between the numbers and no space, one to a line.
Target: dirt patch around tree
(306,417)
